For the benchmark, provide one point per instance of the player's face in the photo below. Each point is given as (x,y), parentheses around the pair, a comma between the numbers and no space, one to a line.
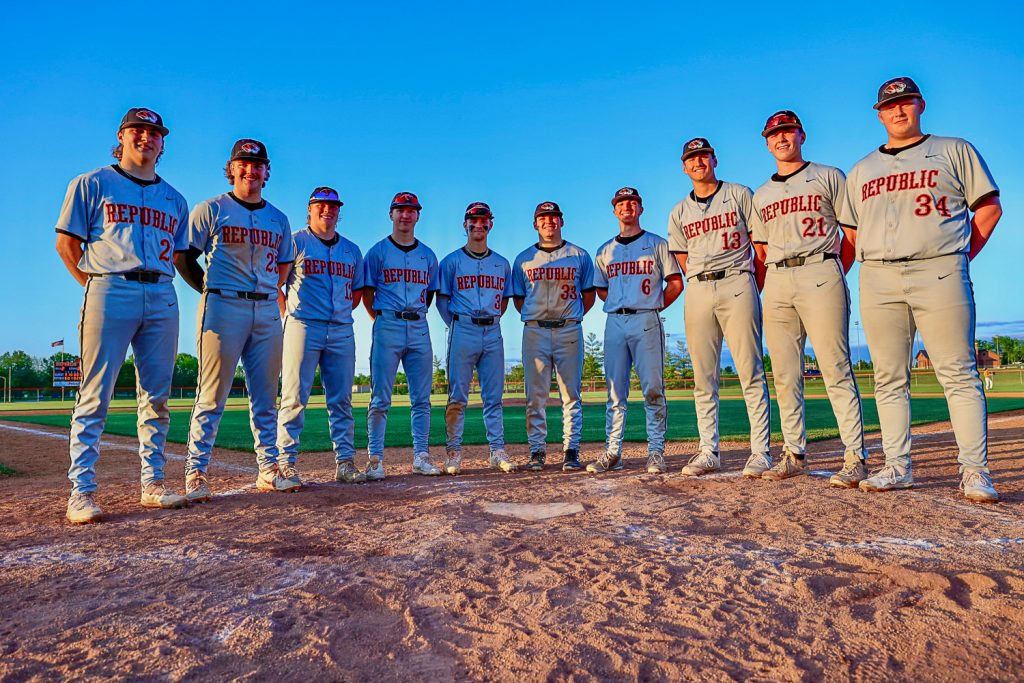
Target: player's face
(249,175)
(549,227)
(141,144)
(477,227)
(902,118)
(323,216)
(785,144)
(404,218)
(628,211)
(700,167)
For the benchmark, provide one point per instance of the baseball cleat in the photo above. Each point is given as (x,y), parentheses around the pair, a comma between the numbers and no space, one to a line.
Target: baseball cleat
(853,473)
(453,462)
(571,461)
(422,464)
(702,463)
(757,464)
(197,488)
(536,463)
(789,466)
(375,469)
(977,487)
(499,461)
(290,474)
(156,495)
(606,462)
(655,463)
(348,474)
(82,509)
(270,479)
(888,478)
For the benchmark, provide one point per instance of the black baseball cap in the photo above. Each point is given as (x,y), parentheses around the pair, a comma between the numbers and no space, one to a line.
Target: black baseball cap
(248,149)
(697,146)
(897,89)
(547,209)
(478,209)
(406,199)
(626,193)
(781,119)
(325,195)
(140,116)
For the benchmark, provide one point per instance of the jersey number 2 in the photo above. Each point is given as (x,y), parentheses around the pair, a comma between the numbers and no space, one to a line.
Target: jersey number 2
(165,253)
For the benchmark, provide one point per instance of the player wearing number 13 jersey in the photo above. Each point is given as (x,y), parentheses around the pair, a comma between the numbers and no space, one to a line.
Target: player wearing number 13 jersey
(911,202)
(709,233)
(249,251)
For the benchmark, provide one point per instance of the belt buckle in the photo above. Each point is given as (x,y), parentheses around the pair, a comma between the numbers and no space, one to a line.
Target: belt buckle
(483,321)
(406,315)
(794,261)
(551,324)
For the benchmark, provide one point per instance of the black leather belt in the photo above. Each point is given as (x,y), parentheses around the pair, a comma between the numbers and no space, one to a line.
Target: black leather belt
(406,315)
(475,321)
(631,311)
(148,276)
(898,260)
(549,324)
(800,260)
(711,275)
(250,296)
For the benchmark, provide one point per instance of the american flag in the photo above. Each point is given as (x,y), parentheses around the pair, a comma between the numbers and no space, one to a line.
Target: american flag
(59,342)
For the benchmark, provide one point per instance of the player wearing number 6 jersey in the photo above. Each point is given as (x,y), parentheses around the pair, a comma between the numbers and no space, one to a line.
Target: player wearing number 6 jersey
(116,234)
(911,202)
(249,251)
(324,286)
(476,284)
(796,235)
(709,234)
(553,288)
(631,268)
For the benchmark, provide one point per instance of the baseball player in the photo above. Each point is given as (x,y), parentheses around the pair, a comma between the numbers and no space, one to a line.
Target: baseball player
(911,202)
(248,246)
(709,234)
(631,268)
(325,284)
(117,233)
(553,288)
(476,284)
(400,279)
(796,237)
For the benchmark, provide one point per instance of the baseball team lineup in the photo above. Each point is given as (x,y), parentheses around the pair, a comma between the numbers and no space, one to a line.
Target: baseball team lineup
(751,268)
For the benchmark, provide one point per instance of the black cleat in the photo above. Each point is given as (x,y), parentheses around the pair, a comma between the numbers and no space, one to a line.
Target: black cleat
(571,461)
(536,463)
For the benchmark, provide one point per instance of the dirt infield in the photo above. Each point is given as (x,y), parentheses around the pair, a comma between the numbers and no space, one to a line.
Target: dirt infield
(625,576)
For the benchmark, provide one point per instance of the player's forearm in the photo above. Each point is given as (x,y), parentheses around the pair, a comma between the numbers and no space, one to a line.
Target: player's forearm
(430,298)
(188,267)
(588,300)
(673,288)
(442,308)
(357,297)
(982,225)
(70,251)
(282,301)
(760,270)
(603,293)
(848,249)
(681,260)
(368,295)
(518,301)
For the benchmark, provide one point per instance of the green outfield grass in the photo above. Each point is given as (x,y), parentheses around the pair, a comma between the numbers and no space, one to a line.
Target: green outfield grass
(235,434)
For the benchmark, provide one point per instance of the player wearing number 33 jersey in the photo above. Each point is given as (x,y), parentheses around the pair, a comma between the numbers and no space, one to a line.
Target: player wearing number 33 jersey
(709,233)
(117,232)
(248,247)
(911,202)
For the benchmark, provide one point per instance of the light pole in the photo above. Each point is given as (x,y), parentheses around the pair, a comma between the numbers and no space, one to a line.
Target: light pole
(5,388)
(856,323)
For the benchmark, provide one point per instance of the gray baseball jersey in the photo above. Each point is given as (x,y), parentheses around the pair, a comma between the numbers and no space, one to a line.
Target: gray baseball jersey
(911,207)
(552,281)
(476,287)
(915,202)
(401,276)
(715,231)
(323,279)
(795,215)
(125,224)
(633,270)
(244,243)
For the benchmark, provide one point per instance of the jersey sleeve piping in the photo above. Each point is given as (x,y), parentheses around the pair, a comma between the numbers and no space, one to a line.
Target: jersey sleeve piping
(983,198)
(71,234)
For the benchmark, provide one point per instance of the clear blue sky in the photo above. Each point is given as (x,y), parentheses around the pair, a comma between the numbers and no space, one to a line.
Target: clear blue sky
(509,104)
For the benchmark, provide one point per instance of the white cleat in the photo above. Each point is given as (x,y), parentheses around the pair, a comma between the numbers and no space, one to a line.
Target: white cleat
(156,495)
(888,478)
(757,464)
(197,488)
(375,469)
(453,463)
(82,509)
(702,463)
(977,487)
(499,460)
(422,464)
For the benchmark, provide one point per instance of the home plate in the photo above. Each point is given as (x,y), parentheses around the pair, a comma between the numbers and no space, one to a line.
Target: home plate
(533,512)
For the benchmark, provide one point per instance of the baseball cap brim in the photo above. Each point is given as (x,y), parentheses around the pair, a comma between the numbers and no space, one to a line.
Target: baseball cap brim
(769,131)
(336,202)
(901,96)
(694,152)
(139,124)
(623,197)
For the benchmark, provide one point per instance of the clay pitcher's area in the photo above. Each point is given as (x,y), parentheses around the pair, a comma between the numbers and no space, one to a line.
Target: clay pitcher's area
(520,577)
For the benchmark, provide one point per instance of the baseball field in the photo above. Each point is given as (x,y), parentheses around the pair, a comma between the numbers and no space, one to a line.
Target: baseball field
(518,577)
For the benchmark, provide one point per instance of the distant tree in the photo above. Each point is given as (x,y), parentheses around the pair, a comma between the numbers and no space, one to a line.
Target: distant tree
(361,379)
(186,370)
(126,375)
(516,373)
(677,360)
(593,357)
(767,363)
(727,370)
(440,376)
